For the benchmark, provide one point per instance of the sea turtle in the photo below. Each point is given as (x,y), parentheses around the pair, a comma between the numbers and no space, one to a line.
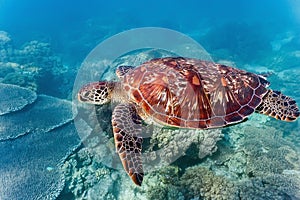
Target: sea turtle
(185,93)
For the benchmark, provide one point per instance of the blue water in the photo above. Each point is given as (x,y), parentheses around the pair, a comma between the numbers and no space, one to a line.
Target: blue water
(64,24)
(42,47)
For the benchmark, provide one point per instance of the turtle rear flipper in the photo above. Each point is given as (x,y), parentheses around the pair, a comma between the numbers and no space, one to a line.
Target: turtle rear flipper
(279,106)
(127,127)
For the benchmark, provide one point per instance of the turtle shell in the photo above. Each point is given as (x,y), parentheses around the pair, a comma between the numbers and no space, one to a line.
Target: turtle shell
(191,93)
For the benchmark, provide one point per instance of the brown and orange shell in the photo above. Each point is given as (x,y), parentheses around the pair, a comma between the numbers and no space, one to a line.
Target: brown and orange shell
(191,93)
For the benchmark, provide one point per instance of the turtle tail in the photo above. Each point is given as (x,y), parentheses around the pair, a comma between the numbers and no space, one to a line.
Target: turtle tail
(277,105)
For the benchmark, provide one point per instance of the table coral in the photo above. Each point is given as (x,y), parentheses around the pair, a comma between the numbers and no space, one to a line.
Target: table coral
(14,98)
(29,165)
(45,114)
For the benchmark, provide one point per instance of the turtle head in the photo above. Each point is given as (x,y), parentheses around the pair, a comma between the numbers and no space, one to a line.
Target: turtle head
(97,93)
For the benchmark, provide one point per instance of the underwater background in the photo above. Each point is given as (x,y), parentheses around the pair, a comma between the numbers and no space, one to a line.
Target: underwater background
(45,154)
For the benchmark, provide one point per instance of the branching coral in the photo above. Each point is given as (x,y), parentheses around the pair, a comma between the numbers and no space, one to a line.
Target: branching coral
(174,143)
(6,50)
(200,182)
(33,53)
(33,66)
(20,67)
(274,186)
(21,79)
(163,184)
(4,38)
(87,177)
(266,151)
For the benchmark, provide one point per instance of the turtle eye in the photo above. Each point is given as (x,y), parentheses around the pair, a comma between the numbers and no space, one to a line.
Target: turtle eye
(83,97)
(87,94)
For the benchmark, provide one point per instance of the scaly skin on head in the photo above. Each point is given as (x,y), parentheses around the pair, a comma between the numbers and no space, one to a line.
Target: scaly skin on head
(97,93)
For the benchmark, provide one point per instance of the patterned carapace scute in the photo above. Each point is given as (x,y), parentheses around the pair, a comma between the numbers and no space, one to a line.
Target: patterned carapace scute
(192,93)
(14,98)
(45,114)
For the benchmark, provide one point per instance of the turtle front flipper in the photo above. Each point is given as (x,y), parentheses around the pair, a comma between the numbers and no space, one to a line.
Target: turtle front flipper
(127,127)
(279,106)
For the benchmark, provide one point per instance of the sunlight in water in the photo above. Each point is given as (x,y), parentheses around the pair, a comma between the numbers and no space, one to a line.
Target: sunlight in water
(295,5)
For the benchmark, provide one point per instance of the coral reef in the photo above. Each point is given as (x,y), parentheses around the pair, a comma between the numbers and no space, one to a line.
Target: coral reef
(163,184)
(200,182)
(173,144)
(84,174)
(264,151)
(13,68)
(6,68)
(254,161)
(6,50)
(4,38)
(98,155)
(45,114)
(273,186)
(20,79)
(250,161)
(271,154)
(30,165)
(33,53)
(251,155)
(34,66)
(14,98)
(285,71)
(40,156)
(191,164)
